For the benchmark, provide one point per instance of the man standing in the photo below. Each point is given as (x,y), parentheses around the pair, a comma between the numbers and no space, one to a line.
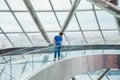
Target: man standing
(58,42)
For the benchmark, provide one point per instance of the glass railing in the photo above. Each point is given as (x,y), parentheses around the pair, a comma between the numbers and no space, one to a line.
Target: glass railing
(29,60)
(17,64)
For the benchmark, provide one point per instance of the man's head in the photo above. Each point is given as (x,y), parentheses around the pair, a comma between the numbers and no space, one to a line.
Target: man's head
(60,33)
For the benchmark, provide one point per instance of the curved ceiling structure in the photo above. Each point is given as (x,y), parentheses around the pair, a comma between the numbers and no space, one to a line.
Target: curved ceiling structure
(82,22)
(32,25)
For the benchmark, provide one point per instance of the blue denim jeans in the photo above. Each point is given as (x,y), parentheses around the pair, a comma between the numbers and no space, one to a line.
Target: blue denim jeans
(57,50)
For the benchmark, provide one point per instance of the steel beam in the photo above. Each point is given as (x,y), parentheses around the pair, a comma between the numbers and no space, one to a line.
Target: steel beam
(36,19)
(23,69)
(117,20)
(104,73)
(58,20)
(2,71)
(89,76)
(108,6)
(70,15)
(79,25)
(49,10)
(98,24)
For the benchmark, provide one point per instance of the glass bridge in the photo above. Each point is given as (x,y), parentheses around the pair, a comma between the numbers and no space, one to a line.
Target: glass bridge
(17,67)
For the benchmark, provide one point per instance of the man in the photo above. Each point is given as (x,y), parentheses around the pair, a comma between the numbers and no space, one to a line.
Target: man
(58,42)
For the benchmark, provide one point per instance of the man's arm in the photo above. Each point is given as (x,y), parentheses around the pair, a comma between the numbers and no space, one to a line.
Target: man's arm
(54,42)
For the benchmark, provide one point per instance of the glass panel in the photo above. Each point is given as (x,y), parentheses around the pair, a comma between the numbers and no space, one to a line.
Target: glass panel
(17,4)
(3,6)
(111,52)
(4,43)
(48,20)
(75,38)
(106,20)
(114,74)
(73,25)
(52,35)
(114,77)
(37,39)
(93,52)
(119,3)
(75,53)
(112,36)
(19,40)
(84,5)
(41,4)
(61,4)
(61,17)
(6,73)
(27,22)
(93,37)
(18,69)
(83,77)
(22,67)
(8,23)
(97,7)
(28,64)
(95,74)
(87,20)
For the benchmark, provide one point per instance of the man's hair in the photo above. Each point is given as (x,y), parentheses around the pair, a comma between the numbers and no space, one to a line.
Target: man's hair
(60,33)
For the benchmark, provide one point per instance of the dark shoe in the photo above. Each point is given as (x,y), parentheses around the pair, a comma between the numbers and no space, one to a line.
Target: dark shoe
(54,60)
(58,58)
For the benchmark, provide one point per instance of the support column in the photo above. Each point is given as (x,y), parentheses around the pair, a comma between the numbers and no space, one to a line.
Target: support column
(36,20)
(70,15)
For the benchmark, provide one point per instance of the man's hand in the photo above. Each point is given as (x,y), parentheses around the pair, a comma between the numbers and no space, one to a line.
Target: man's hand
(51,44)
